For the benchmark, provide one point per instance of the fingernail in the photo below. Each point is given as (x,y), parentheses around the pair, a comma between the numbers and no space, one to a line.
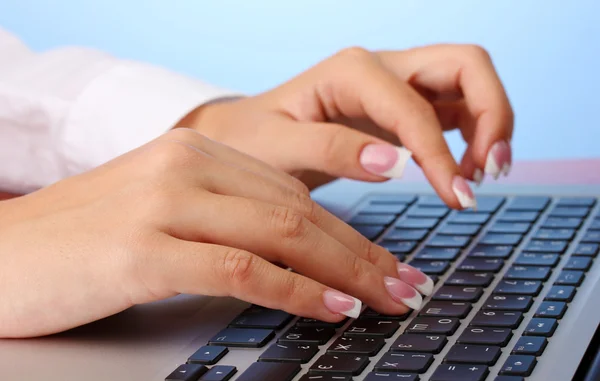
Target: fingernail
(499,159)
(415,278)
(340,303)
(478,176)
(463,192)
(403,293)
(384,160)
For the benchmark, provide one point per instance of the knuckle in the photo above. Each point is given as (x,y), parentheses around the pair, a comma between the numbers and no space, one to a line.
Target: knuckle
(477,52)
(370,250)
(356,269)
(288,222)
(166,156)
(291,287)
(355,53)
(333,140)
(300,187)
(304,205)
(237,266)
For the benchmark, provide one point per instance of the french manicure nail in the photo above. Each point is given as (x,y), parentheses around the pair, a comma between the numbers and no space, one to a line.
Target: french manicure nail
(385,160)
(415,278)
(463,192)
(340,303)
(478,176)
(403,293)
(499,159)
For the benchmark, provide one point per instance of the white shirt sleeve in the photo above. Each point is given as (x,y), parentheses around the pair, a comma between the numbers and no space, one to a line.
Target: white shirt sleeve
(68,110)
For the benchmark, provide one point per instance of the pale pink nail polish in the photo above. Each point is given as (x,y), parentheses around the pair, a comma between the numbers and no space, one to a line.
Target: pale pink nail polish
(403,293)
(415,278)
(340,303)
(463,192)
(499,159)
(478,176)
(384,159)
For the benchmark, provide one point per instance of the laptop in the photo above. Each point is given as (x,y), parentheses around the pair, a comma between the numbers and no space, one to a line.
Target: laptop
(516,298)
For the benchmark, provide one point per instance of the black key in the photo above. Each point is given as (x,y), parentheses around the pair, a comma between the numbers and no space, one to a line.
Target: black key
(460,372)
(340,364)
(559,234)
(467,278)
(554,310)
(242,337)
(270,371)
(431,201)
(208,355)
(368,346)
(570,278)
(469,218)
(547,246)
(446,309)
(417,223)
(510,239)
(370,313)
(509,378)
(473,354)
(377,208)
(219,373)
(290,352)
(438,253)
(531,203)
(578,263)
(308,322)
(561,293)
(187,372)
(434,212)
(491,251)
(537,259)
(433,325)
(508,303)
(321,377)
(259,317)
(514,216)
(485,336)
(404,362)
(541,327)
(521,287)
(419,343)
(459,241)
(392,199)
(503,319)
(401,247)
(372,219)
(587,249)
(406,234)
(431,267)
(576,201)
(369,232)
(530,345)
(591,236)
(372,327)
(528,272)
(510,227)
(459,229)
(384,376)
(566,211)
(308,335)
(481,264)
(562,222)
(518,365)
(458,293)
(489,204)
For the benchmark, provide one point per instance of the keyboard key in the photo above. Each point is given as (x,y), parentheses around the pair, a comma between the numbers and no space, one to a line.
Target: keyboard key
(369,232)
(510,239)
(548,246)
(458,293)
(419,343)
(307,335)
(512,216)
(587,249)
(521,287)
(420,211)
(372,328)
(554,310)
(491,251)
(279,371)
(187,372)
(558,234)
(508,303)
(208,355)
(529,203)
(578,263)
(481,264)
(259,317)
(489,204)
(519,365)
(469,218)
(290,352)
(538,259)
(528,272)
(392,199)
(431,267)
(446,309)
(562,222)
(417,223)
(591,236)
(242,337)
(378,208)
(510,227)
(485,336)
(541,327)
(473,354)
(431,200)
(431,325)
(509,378)
(577,201)
(308,322)
(339,364)
(404,362)
(561,293)
(502,319)
(372,219)
(401,247)
(321,377)
(370,313)
(438,253)
(384,376)
(460,372)
(595,225)
(530,345)
(368,346)
(406,234)
(565,211)
(467,278)
(219,373)
(458,241)
(570,278)
(460,229)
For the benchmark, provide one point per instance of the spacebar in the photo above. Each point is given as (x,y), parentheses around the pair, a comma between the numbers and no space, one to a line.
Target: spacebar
(270,371)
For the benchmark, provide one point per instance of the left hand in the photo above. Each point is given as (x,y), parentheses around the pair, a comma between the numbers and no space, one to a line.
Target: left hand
(342,118)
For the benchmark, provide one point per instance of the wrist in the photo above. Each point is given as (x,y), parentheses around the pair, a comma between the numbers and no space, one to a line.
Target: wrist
(209,118)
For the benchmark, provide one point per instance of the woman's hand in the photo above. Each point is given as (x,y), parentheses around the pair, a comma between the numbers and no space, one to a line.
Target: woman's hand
(342,117)
(184,214)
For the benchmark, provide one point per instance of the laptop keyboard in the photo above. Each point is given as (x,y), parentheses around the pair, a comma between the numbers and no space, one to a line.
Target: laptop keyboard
(490,267)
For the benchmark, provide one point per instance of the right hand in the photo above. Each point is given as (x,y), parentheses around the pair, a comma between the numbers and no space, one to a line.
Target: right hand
(184,214)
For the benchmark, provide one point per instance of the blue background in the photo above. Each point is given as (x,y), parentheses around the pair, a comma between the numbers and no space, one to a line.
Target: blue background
(547,52)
